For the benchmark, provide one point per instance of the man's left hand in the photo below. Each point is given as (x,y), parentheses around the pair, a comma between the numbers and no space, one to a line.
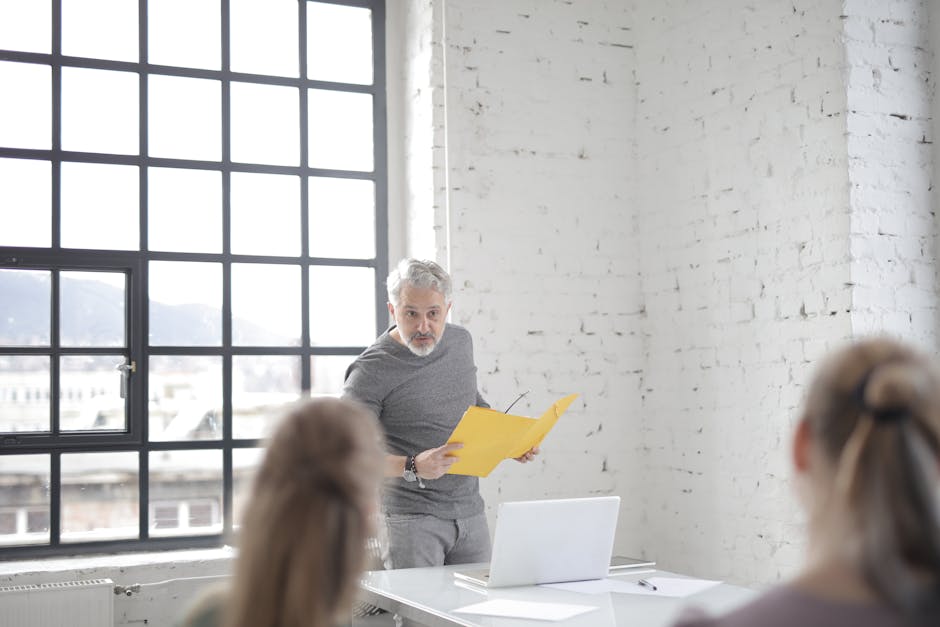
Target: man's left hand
(528,456)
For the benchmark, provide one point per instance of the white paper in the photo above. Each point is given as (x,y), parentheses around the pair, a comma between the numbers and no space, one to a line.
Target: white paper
(596,586)
(526,609)
(666,586)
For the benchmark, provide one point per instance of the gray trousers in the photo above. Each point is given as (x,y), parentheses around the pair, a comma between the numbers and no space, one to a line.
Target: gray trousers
(416,540)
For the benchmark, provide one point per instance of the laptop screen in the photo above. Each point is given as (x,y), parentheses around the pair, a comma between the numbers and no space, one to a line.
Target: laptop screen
(552,541)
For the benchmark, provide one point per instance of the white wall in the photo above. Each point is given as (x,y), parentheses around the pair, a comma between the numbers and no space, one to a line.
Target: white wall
(934,38)
(744,230)
(891,168)
(168,582)
(676,208)
(538,135)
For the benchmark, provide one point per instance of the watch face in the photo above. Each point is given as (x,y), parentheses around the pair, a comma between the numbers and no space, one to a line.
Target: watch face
(409,473)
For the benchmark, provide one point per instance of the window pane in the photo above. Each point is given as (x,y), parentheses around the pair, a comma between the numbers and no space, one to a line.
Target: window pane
(7,523)
(265,214)
(184,197)
(90,393)
(100,111)
(245,464)
(342,306)
(91,308)
(100,206)
(339,43)
(185,33)
(265,37)
(99,496)
(340,130)
(101,29)
(24,492)
(26,121)
(185,303)
(24,393)
(25,212)
(37,520)
(265,124)
(180,480)
(265,305)
(185,118)
(26,26)
(185,397)
(261,387)
(25,307)
(327,373)
(342,218)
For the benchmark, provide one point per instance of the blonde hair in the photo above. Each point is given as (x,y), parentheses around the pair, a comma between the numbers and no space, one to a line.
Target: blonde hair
(302,544)
(875,409)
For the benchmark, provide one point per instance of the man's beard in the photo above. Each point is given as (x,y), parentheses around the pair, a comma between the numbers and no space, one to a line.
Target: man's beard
(421,350)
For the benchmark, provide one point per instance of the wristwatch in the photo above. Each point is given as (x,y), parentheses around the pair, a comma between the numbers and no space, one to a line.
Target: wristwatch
(410,473)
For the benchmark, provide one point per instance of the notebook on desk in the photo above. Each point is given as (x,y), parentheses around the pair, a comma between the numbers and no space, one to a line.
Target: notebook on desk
(550,541)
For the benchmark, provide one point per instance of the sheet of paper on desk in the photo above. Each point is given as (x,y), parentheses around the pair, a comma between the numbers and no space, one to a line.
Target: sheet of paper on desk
(595,586)
(526,609)
(669,586)
(665,586)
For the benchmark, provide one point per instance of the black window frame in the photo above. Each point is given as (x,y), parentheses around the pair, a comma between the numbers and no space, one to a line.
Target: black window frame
(135,265)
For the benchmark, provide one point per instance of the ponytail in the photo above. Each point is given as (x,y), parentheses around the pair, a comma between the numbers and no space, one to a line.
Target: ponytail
(888,479)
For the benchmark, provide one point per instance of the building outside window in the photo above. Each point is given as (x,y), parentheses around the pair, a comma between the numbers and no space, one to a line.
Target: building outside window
(193,233)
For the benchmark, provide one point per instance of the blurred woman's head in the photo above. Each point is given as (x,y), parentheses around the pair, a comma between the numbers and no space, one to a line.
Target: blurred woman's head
(302,544)
(868,455)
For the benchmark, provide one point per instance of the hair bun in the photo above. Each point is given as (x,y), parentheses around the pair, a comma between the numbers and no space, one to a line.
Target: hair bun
(891,391)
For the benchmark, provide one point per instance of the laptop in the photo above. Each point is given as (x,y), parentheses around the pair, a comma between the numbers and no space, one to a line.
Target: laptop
(550,541)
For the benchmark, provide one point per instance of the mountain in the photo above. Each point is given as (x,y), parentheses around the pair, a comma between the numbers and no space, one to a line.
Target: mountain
(93,315)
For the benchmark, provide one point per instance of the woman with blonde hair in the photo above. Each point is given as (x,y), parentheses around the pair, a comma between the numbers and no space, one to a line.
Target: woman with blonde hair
(302,542)
(867,460)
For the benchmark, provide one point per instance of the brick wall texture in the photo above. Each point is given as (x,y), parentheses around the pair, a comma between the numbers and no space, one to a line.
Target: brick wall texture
(675,208)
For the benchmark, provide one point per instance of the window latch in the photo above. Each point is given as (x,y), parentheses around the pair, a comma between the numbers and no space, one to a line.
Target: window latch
(126,371)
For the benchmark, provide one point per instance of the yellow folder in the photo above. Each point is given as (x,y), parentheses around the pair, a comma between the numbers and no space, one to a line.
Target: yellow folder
(490,436)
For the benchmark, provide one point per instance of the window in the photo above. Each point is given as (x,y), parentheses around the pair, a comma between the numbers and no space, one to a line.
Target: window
(193,235)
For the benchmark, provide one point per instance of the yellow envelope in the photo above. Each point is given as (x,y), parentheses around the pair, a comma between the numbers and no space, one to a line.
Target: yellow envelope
(490,436)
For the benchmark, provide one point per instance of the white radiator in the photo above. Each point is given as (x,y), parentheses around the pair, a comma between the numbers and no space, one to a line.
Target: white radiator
(67,604)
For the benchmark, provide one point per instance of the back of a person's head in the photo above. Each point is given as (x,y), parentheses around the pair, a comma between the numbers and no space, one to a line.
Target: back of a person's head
(302,542)
(874,408)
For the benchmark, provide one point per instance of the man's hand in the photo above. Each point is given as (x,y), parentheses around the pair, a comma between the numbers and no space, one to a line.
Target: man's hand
(528,456)
(434,463)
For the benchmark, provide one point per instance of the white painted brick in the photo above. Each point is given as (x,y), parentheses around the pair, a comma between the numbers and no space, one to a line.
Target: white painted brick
(679,227)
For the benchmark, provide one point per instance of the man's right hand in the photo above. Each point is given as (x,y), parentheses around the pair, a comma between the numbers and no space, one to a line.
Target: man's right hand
(434,463)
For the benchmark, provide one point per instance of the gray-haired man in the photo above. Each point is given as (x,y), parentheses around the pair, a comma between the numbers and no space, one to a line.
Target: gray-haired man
(419,377)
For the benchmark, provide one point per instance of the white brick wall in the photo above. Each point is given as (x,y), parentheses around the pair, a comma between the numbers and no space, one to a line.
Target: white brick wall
(891,169)
(675,208)
(743,222)
(539,116)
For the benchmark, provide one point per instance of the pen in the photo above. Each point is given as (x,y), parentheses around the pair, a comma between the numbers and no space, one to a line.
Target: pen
(646,584)
(515,401)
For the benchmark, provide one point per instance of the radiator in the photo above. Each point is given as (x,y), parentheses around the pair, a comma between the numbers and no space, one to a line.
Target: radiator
(66,604)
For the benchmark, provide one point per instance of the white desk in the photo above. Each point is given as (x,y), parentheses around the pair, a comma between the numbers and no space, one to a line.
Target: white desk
(429,596)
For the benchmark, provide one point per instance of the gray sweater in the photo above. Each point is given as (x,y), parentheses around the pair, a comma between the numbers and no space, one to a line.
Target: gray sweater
(419,401)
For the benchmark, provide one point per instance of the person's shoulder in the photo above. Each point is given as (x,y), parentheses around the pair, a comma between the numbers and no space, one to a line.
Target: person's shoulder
(785,605)
(379,350)
(458,332)
(695,617)
(761,608)
(206,610)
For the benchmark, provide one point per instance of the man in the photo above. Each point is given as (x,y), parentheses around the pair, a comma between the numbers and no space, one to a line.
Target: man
(419,377)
